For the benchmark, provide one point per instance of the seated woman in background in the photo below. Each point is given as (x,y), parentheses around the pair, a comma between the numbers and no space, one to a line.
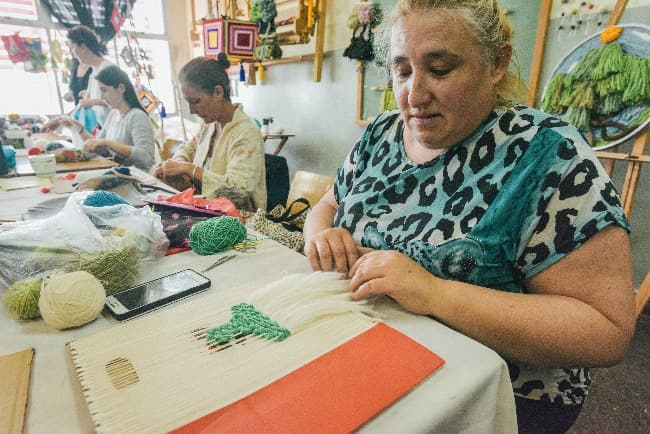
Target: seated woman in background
(127,135)
(494,218)
(226,158)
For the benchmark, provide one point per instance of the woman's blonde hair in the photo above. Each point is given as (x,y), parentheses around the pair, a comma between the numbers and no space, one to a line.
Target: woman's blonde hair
(489,26)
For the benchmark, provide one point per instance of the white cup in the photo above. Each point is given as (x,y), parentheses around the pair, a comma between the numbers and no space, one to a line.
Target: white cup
(44,165)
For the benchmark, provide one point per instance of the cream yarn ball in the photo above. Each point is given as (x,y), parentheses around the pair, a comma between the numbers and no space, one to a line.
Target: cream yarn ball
(71,299)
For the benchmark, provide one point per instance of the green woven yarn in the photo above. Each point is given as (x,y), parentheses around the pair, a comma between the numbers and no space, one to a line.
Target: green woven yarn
(216,234)
(116,269)
(21,299)
(245,321)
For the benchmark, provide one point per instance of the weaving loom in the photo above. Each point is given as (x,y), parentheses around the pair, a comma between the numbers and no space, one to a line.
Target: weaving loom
(159,372)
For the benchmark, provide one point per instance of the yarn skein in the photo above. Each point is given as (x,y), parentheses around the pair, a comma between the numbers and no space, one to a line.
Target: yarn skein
(104,198)
(116,269)
(216,234)
(71,299)
(21,299)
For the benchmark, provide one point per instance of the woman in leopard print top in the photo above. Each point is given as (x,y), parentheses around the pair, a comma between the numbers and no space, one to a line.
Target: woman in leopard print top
(493,218)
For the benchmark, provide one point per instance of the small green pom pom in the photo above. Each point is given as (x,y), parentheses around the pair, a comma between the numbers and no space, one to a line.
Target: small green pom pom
(21,299)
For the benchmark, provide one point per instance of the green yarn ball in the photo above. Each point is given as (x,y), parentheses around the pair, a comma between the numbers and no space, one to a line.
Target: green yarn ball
(216,234)
(21,299)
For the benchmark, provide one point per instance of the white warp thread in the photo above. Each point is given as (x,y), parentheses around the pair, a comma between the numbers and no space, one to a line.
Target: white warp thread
(298,300)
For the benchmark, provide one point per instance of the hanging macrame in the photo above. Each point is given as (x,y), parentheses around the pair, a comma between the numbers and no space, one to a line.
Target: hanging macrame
(387,100)
(606,92)
(363,18)
(263,13)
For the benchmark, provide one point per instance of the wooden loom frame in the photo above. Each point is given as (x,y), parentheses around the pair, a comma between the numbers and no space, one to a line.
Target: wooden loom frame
(638,155)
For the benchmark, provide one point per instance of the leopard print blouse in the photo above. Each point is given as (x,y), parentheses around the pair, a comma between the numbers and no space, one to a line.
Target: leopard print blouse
(519,194)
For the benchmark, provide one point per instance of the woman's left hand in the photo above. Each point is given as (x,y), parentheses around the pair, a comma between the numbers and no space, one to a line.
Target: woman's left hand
(92,144)
(177,174)
(394,274)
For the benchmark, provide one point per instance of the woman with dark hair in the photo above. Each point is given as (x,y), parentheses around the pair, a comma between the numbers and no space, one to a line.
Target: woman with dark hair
(79,76)
(127,136)
(226,158)
(87,48)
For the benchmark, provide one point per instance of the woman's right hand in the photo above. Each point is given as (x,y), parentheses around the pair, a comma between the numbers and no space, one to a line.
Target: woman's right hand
(333,249)
(53,124)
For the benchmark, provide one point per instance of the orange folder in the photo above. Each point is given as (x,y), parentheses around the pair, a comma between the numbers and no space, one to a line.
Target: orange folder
(337,392)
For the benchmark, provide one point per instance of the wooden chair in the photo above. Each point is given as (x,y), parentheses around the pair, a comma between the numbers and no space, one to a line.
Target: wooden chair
(642,295)
(309,185)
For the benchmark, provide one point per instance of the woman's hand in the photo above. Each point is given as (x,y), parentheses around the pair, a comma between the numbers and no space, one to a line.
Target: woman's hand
(177,174)
(88,102)
(92,144)
(333,248)
(54,124)
(394,274)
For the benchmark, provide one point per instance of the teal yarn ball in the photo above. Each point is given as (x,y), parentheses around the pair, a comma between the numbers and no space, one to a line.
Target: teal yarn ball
(104,198)
(216,234)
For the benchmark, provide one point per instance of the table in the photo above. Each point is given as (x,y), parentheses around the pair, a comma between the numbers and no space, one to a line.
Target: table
(470,393)
(15,203)
(24,168)
(281,136)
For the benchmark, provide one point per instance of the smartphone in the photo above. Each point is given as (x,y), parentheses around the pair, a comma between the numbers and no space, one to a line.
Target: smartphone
(156,293)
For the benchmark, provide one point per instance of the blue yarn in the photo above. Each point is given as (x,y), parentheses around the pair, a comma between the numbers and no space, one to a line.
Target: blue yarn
(10,155)
(104,198)
(53,146)
(123,170)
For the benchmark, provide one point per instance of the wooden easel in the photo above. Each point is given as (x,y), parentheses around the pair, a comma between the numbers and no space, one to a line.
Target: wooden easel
(637,156)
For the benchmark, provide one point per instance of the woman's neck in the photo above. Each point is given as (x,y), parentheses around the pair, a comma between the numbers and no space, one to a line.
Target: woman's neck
(228,113)
(123,108)
(82,69)
(95,60)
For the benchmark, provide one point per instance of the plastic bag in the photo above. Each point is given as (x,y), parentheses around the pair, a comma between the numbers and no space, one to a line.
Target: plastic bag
(81,237)
(87,117)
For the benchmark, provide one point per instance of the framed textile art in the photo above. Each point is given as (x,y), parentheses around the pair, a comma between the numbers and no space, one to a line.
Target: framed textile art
(147,99)
(237,39)
(601,86)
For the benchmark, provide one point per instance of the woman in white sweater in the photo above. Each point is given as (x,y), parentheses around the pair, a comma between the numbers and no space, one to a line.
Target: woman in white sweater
(127,135)
(226,158)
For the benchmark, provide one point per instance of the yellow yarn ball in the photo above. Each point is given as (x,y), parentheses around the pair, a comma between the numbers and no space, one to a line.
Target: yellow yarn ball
(71,299)
(21,299)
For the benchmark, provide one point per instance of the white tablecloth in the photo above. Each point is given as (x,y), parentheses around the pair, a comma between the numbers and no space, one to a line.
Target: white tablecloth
(471,393)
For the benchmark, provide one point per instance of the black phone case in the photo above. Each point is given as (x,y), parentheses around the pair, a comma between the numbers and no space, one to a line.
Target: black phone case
(161,302)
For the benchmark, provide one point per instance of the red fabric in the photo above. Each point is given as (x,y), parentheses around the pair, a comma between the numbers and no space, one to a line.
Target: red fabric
(16,48)
(116,19)
(174,250)
(337,392)
(186,197)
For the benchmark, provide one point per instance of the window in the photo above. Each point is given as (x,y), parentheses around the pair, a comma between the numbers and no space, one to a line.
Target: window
(22,9)
(26,92)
